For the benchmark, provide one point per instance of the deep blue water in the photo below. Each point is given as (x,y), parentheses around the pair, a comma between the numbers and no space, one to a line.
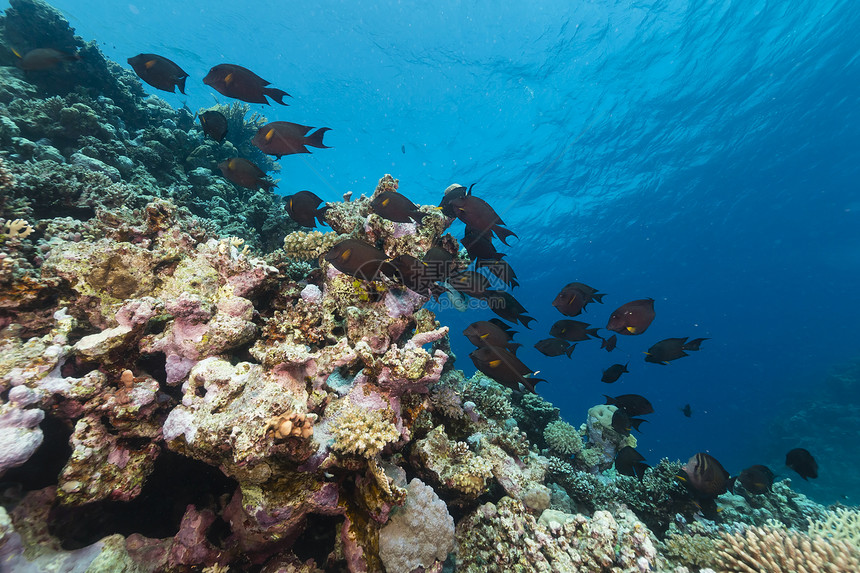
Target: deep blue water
(703,153)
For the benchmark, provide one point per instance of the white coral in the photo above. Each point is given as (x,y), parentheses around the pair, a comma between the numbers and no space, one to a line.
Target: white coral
(18,229)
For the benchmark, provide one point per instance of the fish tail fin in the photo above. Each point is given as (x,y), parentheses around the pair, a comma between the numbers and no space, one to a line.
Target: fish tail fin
(320,214)
(503,233)
(316,138)
(276,95)
(569,351)
(514,283)
(513,347)
(180,83)
(525,320)
(598,297)
(592,332)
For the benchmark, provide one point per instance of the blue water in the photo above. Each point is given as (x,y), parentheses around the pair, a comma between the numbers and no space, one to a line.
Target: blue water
(703,153)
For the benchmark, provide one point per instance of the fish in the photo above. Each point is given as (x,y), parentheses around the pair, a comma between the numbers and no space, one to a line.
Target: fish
(303,208)
(471,283)
(504,367)
(629,462)
(573,298)
(402,149)
(633,404)
(801,461)
(756,479)
(393,206)
(442,261)
(478,214)
(214,124)
(452,192)
(609,343)
(572,330)
(670,349)
(622,422)
(506,306)
(417,275)
(159,72)
(501,269)
(281,138)
(704,476)
(687,410)
(359,259)
(613,373)
(488,333)
(44,59)
(242,84)
(245,174)
(458,300)
(554,347)
(633,317)
(479,245)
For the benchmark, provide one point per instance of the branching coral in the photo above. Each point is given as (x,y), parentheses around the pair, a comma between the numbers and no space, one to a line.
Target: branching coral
(17,229)
(766,550)
(309,245)
(839,525)
(363,432)
(562,438)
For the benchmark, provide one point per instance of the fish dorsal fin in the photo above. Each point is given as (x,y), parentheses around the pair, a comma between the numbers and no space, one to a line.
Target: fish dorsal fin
(345,255)
(270,134)
(148,65)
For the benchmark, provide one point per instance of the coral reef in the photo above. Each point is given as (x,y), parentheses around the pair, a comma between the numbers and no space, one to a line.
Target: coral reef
(186,383)
(769,550)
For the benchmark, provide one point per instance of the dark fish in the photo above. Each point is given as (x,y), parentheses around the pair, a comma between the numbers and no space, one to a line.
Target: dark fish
(555,347)
(281,138)
(687,410)
(572,330)
(488,333)
(801,461)
(214,124)
(623,423)
(454,191)
(633,404)
(573,298)
(393,206)
(471,283)
(45,59)
(441,261)
(756,479)
(633,317)
(609,343)
(705,476)
(504,367)
(159,72)
(506,306)
(613,373)
(245,174)
(417,275)
(359,259)
(402,149)
(479,245)
(303,208)
(500,269)
(478,214)
(243,84)
(629,462)
(671,349)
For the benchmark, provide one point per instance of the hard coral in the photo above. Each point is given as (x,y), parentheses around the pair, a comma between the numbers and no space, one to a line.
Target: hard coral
(769,550)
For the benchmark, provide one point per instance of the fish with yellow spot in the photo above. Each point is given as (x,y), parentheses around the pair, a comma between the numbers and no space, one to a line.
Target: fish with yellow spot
(504,367)
(242,84)
(159,72)
(633,317)
(281,138)
(245,174)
